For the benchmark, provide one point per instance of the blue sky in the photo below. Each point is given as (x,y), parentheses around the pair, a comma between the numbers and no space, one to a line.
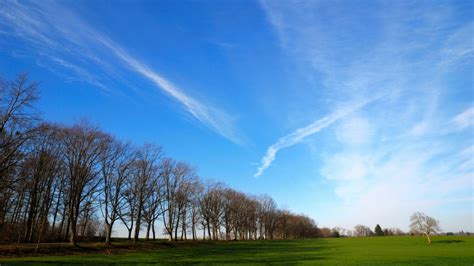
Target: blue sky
(353,112)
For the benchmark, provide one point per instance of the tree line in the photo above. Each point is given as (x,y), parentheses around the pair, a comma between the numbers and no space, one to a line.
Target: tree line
(359,231)
(74,182)
(420,224)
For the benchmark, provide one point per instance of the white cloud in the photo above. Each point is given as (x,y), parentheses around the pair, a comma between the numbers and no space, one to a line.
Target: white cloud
(464,119)
(458,47)
(348,170)
(420,128)
(59,35)
(392,183)
(385,181)
(355,130)
(346,167)
(212,117)
(466,159)
(298,135)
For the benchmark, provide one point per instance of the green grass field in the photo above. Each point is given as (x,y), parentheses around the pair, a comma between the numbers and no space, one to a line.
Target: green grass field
(445,250)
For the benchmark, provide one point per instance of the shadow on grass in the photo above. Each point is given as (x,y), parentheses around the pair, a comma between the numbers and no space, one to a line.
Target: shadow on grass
(203,252)
(448,241)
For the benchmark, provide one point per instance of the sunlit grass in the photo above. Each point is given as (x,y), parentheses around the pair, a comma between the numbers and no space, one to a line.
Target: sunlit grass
(445,250)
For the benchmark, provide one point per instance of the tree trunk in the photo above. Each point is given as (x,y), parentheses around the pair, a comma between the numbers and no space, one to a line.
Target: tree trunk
(204,232)
(56,211)
(209,230)
(153,230)
(108,233)
(68,224)
(138,223)
(74,215)
(53,226)
(429,239)
(148,230)
(169,224)
(177,226)
(183,230)
(72,234)
(31,215)
(61,227)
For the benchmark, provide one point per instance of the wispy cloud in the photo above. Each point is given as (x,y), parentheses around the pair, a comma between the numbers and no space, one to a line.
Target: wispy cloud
(465,119)
(212,117)
(298,135)
(61,36)
(406,158)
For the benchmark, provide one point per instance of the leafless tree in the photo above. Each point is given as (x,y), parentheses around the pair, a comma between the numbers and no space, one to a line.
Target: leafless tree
(116,163)
(194,206)
(267,216)
(152,209)
(186,176)
(170,189)
(40,169)
(424,224)
(83,145)
(17,120)
(129,208)
(362,230)
(146,178)
(65,182)
(212,206)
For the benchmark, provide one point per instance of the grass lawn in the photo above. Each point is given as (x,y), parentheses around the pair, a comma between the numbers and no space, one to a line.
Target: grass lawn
(445,250)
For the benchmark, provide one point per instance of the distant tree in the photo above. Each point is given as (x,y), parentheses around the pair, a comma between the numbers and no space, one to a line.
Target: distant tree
(214,203)
(424,224)
(378,230)
(76,182)
(397,232)
(342,232)
(362,230)
(325,232)
(268,217)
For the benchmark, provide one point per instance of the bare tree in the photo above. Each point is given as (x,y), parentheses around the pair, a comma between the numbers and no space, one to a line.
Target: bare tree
(424,224)
(58,179)
(213,209)
(146,178)
(267,216)
(231,212)
(129,208)
(83,145)
(195,213)
(40,168)
(170,189)
(17,119)
(362,230)
(115,166)
(185,177)
(151,210)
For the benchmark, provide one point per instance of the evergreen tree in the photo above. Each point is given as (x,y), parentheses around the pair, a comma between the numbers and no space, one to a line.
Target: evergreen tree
(378,230)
